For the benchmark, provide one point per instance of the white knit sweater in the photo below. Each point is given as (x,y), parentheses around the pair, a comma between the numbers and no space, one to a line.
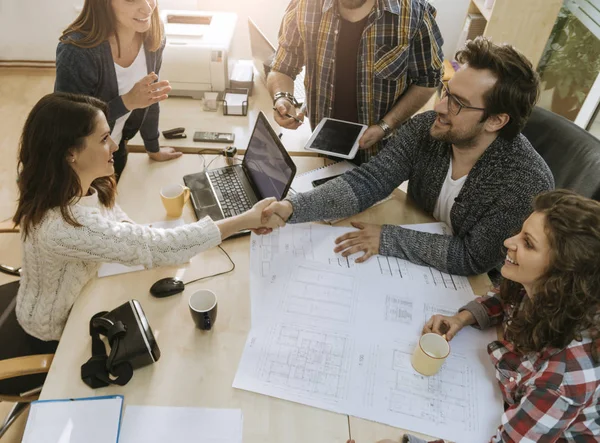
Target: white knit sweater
(60,259)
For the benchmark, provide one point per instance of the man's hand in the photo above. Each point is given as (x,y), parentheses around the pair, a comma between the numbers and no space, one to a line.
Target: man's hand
(282,209)
(146,92)
(283,107)
(367,240)
(256,220)
(164,154)
(372,135)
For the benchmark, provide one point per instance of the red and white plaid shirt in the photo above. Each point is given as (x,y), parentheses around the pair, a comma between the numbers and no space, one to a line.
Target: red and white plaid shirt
(551,396)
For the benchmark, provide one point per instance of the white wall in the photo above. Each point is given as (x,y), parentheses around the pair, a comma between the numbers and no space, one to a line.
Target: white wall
(29,29)
(450,18)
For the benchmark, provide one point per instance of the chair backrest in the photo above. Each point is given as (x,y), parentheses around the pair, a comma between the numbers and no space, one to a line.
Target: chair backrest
(572,153)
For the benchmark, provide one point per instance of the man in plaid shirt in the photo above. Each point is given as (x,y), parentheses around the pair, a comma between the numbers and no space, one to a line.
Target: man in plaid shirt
(374,62)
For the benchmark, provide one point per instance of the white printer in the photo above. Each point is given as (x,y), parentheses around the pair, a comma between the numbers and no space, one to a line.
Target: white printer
(196,58)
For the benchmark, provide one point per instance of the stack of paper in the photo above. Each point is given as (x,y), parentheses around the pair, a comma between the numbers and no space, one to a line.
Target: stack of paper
(86,420)
(161,424)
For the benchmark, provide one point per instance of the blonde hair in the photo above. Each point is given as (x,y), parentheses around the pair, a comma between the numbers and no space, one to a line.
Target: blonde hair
(96,23)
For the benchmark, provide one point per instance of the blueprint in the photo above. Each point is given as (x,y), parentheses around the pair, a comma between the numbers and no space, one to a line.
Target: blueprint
(316,242)
(337,335)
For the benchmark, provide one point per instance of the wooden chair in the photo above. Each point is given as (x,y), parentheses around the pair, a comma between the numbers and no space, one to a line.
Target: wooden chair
(25,360)
(6,227)
(18,367)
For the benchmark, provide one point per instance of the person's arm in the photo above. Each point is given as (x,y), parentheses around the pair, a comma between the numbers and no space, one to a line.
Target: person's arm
(103,240)
(486,311)
(286,65)
(149,128)
(364,186)
(425,71)
(78,71)
(425,68)
(480,249)
(542,415)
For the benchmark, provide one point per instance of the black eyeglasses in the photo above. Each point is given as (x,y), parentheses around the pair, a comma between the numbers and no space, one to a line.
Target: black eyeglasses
(454,104)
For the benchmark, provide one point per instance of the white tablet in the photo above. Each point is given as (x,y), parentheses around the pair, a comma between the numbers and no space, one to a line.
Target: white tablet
(337,138)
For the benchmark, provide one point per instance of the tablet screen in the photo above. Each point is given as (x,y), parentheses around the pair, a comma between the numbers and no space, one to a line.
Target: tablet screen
(336,137)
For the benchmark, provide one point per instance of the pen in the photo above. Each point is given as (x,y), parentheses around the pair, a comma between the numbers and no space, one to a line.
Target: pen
(288,115)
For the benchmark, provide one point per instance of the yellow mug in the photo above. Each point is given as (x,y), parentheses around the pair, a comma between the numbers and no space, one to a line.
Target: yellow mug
(174,198)
(430,354)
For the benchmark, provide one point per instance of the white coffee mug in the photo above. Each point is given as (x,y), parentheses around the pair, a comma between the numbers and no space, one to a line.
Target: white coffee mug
(430,354)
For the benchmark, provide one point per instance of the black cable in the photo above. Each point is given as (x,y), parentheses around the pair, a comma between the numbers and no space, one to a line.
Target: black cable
(215,275)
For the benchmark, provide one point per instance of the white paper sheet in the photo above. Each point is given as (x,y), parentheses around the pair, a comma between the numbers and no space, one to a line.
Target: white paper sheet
(338,335)
(89,420)
(108,269)
(160,424)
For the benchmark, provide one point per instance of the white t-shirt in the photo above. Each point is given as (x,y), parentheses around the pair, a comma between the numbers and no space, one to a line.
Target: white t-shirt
(450,190)
(126,78)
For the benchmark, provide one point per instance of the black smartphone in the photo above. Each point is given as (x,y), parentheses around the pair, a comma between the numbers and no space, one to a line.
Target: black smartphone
(214,137)
(320,181)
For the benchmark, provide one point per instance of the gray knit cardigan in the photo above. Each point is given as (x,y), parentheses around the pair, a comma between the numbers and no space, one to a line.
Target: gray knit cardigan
(492,205)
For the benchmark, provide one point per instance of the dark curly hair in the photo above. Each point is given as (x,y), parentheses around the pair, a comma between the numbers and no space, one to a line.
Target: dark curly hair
(517,87)
(566,301)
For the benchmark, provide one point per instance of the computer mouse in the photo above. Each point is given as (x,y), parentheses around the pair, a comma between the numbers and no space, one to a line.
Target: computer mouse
(166,287)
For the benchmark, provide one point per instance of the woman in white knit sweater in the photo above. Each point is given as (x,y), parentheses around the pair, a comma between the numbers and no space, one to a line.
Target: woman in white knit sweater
(69,220)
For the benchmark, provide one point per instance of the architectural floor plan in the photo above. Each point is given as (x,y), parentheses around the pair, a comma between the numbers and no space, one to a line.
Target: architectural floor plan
(340,336)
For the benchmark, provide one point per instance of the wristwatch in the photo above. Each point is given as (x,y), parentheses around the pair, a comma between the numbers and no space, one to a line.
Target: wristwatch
(289,97)
(387,129)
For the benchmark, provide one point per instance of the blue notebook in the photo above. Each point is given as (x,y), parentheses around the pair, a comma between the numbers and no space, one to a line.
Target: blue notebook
(80,420)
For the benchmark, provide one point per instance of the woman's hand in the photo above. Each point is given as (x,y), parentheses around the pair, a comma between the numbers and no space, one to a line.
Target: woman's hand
(258,223)
(441,324)
(146,92)
(164,154)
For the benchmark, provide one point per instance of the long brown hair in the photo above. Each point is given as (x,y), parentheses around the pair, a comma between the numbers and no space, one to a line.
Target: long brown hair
(97,22)
(517,86)
(566,301)
(56,126)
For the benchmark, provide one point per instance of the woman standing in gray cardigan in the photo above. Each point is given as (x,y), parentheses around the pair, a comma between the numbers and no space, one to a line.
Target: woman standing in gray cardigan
(113,51)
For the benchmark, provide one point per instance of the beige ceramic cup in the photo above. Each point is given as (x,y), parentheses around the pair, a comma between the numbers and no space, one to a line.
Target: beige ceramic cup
(430,354)
(174,198)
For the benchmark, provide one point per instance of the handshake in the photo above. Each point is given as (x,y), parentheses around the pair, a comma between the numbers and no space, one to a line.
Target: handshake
(267,215)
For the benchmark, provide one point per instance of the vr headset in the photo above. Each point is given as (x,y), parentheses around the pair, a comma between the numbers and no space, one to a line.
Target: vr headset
(132,346)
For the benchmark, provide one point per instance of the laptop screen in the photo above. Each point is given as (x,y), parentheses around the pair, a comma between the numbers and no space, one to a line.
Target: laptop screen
(266,162)
(262,49)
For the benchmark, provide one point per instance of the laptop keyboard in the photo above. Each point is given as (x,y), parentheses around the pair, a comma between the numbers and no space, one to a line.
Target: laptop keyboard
(230,191)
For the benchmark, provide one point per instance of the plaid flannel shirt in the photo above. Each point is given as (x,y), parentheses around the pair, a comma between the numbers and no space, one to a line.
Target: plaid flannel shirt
(401,46)
(551,396)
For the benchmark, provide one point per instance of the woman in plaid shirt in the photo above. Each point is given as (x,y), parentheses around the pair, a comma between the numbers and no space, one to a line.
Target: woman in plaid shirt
(548,365)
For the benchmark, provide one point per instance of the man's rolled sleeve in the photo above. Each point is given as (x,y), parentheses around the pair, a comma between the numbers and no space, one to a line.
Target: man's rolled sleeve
(426,64)
(289,57)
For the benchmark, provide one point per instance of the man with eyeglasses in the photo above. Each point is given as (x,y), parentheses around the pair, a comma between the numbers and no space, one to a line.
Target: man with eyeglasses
(467,164)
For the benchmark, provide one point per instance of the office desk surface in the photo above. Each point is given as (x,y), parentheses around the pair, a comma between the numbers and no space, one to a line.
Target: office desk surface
(197,368)
(187,112)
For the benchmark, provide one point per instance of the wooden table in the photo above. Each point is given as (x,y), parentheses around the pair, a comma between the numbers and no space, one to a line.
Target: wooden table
(188,113)
(197,368)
